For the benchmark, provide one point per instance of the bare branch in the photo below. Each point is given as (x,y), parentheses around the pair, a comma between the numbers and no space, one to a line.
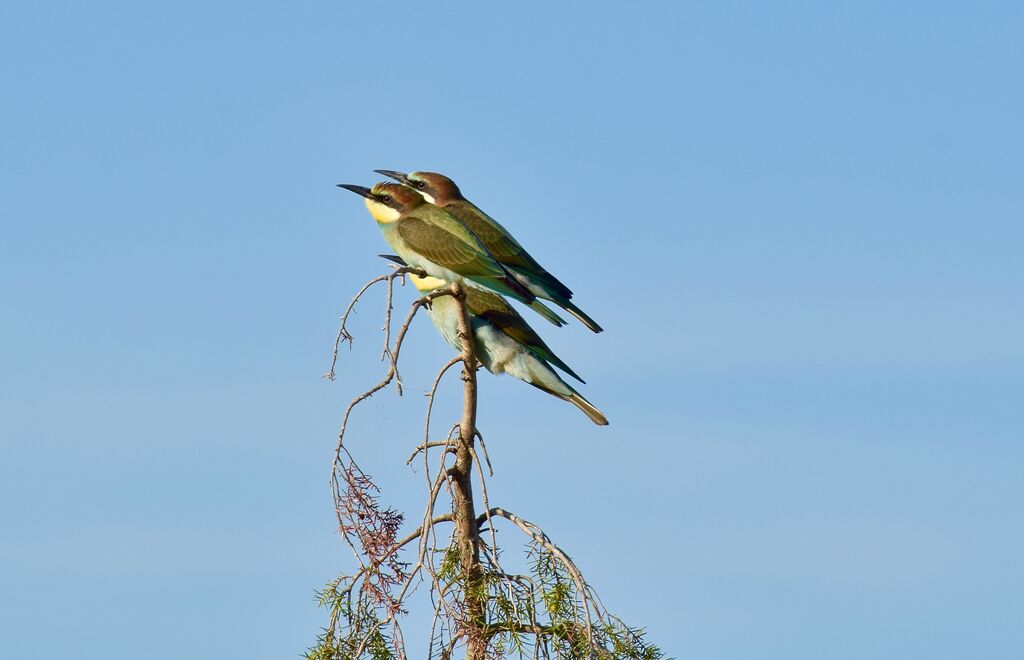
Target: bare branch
(483,445)
(392,372)
(487,507)
(430,407)
(343,333)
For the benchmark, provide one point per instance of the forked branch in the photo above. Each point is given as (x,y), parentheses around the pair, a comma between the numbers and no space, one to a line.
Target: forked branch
(345,335)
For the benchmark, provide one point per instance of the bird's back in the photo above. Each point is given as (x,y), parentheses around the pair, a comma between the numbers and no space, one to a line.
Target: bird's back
(487,229)
(444,220)
(505,248)
(495,310)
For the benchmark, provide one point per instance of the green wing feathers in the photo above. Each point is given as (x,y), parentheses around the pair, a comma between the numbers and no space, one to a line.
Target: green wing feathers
(448,243)
(547,313)
(506,249)
(501,315)
(447,249)
(577,399)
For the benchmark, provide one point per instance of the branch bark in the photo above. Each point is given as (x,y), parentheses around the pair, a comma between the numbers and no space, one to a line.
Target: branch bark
(467,530)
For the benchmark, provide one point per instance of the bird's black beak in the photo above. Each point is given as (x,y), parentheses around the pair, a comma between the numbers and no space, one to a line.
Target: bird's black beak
(397,176)
(359,190)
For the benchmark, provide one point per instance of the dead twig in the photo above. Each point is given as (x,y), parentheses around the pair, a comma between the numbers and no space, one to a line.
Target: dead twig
(388,377)
(345,335)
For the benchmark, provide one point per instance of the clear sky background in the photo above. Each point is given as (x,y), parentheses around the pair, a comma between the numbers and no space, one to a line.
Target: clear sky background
(800,223)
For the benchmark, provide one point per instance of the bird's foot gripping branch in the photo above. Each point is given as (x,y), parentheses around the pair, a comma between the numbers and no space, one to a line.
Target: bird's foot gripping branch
(484,604)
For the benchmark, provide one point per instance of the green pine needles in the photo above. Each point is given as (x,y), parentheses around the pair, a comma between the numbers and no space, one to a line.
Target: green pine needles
(540,614)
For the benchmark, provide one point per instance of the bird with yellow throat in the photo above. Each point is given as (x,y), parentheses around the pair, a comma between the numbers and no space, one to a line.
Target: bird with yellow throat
(428,237)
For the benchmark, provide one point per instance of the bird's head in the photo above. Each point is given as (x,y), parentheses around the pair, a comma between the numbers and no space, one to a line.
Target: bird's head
(387,201)
(435,188)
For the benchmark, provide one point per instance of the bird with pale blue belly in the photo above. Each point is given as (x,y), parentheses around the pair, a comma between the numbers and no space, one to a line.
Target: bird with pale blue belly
(442,191)
(428,237)
(503,342)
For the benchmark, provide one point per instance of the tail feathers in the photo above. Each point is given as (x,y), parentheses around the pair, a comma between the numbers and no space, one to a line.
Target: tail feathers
(573,397)
(547,313)
(547,287)
(595,415)
(506,286)
(516,288)
(591,324)
(540,281)
(556,361)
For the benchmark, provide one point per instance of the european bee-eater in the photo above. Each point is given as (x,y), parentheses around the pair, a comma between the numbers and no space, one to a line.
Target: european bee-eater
(504,343)
(442,191)
(428,237)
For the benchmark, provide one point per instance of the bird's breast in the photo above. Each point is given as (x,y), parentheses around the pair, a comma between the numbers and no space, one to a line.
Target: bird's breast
(496,348)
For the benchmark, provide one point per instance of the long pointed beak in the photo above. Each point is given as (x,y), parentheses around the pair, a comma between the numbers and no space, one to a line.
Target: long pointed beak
(397,176)
(359,190)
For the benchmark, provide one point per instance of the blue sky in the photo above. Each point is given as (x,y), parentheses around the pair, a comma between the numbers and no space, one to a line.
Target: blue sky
(800,224)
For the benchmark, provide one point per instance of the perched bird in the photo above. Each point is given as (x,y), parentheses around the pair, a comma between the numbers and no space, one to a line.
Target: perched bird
(442,191)
(428,237)
(503,342)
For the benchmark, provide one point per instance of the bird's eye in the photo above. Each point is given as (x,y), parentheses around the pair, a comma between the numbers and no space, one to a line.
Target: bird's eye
(386,199)
(420,184)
